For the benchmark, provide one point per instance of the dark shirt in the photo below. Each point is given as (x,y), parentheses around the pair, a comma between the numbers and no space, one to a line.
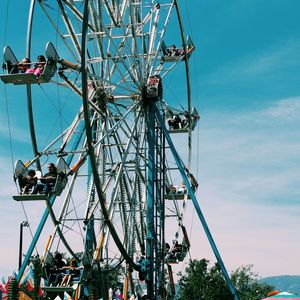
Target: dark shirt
(50,177)
(59,264)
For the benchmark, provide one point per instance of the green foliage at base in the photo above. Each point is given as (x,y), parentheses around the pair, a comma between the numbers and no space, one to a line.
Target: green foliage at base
(247,285)
(202,282)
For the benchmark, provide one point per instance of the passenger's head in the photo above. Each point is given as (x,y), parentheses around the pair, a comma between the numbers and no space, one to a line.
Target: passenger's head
(73,262)
(41,58)
(31,173)
(58,256)
(25,60)
(51,167)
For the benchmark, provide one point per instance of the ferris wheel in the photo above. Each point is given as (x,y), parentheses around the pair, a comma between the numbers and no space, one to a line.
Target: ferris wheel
(120,187)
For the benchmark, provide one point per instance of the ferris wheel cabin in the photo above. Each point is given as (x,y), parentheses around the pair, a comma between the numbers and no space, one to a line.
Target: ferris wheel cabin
(179,122)
(177,252)
(173,54)
(25,71)
(32,186)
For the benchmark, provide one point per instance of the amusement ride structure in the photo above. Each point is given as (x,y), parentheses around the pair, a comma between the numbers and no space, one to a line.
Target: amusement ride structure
(121,189)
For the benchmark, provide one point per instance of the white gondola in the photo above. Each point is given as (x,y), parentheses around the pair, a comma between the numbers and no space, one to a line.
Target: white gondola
(178,252)
(173,54)
(21,171)
(183,125)
(178,196)
(181,192)
(29,78)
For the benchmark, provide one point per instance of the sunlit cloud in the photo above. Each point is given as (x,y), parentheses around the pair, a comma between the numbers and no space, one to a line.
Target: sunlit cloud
(268,62)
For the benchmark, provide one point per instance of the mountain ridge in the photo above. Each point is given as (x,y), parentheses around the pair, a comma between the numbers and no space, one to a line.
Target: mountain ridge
(284,283)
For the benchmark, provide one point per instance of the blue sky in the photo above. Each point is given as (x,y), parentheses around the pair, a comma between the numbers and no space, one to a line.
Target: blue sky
(245,84)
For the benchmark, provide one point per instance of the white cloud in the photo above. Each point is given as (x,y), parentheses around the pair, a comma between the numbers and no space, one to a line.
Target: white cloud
(243,156)
(285,109)
(282,56)
(249,187)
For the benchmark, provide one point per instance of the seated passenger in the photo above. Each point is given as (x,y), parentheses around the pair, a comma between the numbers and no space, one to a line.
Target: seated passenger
(189,49)
(177,247)
(72,273)
(174,122)
(55,273)
(178,190)
(21,67)
(167,248)
(173,51)
(22,181)
(31,181)
(47,181)
(181,189)
(180,52)
(169,50)
(185,121)
(173,189)
(38,67)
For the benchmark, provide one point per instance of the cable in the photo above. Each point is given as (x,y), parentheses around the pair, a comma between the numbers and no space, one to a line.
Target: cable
(6,22)
(9,124)
(9,130)
(195,65)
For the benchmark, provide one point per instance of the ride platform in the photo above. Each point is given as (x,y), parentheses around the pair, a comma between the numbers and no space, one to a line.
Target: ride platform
(172,196)
(35,197)
(173,58)
(178,130)
(25,78)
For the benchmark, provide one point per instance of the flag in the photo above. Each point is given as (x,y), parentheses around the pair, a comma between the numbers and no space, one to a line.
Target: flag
(29,287)
(42,284)
(30,280)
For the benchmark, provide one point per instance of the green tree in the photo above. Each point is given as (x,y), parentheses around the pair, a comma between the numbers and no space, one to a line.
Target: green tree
(247,285)
(202,282)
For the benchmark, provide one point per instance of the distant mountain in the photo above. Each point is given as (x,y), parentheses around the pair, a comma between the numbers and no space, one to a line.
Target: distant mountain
(284,283)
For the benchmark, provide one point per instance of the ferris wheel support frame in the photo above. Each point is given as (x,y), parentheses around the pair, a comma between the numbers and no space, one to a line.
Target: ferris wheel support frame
(196,206)
(150,196)
(90,148)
